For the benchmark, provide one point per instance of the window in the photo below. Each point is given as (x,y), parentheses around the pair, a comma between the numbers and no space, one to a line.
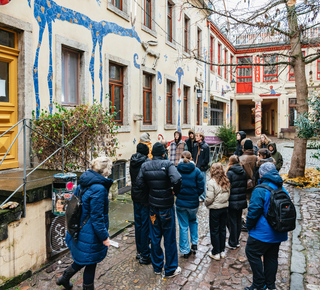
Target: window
(119,173)
(116,91)
(211,51)
(147,99)
(198,111)
(147,13)
(169,102)
(169,21)
(199,36)
(216,113)
(219,59)
(117,3)
(292,111)
(225,62)
(270,73)
(185,104)
(231,67)
(244,75)
(186,33)
(70,77)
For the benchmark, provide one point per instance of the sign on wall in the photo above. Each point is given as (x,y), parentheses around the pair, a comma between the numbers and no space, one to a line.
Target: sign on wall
(257,70)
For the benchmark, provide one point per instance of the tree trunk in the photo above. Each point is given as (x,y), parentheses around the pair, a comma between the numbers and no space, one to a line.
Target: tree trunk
(298,160)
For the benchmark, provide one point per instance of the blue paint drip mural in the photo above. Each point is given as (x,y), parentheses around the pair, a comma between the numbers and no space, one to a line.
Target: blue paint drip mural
(180,73)
(159,77)
(46,12)
(135,57)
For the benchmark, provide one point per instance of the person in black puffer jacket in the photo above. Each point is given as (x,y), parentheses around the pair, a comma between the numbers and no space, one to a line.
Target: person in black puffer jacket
(159,176)
(140,205)
(237,200)
(240,136)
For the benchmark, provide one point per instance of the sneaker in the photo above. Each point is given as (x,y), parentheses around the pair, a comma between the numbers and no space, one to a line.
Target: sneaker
(229,247)
(138,256)
(238,246)
(223,255)
(145,261)
(186,256)
(175,273)
(215,257)
(194,248)
(158,273)
(201,199)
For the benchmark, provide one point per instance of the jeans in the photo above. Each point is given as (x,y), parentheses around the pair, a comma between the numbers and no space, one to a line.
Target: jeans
(217,224)
(88,274)
(163,223)
(204,175)
(234,226)
(187,218)
(141,221)
(263,274)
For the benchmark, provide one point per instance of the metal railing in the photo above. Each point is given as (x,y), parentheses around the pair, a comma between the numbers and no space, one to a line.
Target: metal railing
(61,146)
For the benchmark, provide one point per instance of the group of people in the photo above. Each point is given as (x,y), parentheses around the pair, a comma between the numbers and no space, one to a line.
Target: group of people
(169,181)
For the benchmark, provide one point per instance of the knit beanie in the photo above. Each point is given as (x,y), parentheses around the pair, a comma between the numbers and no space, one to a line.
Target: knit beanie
(248,145)
(143,149)
(265,168)
(158,149)
(145,137)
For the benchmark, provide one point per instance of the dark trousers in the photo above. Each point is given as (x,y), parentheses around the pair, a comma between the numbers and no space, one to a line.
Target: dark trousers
(217,224)
(163,224)
(88,274)
(263,274)
(234,226)
(141,223)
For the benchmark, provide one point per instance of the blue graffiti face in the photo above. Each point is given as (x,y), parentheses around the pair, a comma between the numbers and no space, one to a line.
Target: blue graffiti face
(180,73)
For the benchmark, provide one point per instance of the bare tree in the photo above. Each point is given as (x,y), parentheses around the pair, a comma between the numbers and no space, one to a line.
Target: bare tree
(292,21)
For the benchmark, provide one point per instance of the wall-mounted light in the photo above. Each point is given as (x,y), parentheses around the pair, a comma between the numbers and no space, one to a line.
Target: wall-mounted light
(199,93)
(233,84)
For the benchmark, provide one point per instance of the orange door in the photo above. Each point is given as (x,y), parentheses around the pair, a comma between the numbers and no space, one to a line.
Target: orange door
(8,97)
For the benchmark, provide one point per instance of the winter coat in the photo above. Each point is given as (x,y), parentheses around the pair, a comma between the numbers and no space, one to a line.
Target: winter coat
(257,224)
(175,151)
(239,151)
(192,185)
(248,161)
(137,194)
(276,155)
(216,196)
(89,248)
(202,160)
(190,142)
(158,176)
(238,181)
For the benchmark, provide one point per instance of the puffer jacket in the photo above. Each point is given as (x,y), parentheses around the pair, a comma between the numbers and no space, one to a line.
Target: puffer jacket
(238,181)
(158,176)
(216,197)
(137,194)
(192,185)
(257,224)
(202,159)
(276,156)
(89,248)
(239,151)
(248,161)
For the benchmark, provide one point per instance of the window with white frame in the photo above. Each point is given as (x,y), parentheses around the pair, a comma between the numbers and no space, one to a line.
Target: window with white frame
(119,7)
(148,24)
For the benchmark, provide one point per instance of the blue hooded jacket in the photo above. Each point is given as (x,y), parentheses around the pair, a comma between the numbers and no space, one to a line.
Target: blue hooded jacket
(257,225)
(89,248)
(192,185)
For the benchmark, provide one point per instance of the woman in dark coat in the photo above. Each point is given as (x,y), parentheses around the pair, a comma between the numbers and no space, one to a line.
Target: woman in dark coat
(237,200)
(93,240)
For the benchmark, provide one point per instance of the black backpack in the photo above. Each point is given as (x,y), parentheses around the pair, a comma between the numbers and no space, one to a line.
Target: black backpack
(73,216)
(281,214)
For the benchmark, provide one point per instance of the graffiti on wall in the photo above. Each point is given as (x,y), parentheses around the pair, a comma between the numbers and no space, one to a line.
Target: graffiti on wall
(4,2)
(180,73)
(46,12)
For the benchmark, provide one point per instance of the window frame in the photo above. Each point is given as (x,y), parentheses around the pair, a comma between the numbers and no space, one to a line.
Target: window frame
(170,18)
(185,104)
(219,59)
(275,75)
(242,86)
(147,90)
(225,62)
(114,4)
(115,83)
(199,41)
(186,34)
(291,106)
(65,80)
(218,111)
(211,51)
(169,99)
(148,16)
(231,62)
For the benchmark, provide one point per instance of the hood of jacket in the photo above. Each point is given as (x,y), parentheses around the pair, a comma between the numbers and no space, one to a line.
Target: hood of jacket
(237,169)
(186,167)
(91,177)
(242,134)
(137,159)
(272,176)
(194,134)
(274,147)
(261,161)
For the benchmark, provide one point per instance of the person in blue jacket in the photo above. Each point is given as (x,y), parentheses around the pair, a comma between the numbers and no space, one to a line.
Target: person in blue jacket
(263,240)
(187,203)
(93,240)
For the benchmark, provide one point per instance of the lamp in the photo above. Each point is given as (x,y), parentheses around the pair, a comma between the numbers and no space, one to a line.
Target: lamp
(233,84)
(199,93)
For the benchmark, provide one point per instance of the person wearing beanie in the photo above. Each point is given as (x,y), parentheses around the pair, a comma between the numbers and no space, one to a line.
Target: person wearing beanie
(190,141)
(237,200)
(200,156)
(145,139)
(162,180)
(176,148)
(240,136)
(140,205)
(263,240)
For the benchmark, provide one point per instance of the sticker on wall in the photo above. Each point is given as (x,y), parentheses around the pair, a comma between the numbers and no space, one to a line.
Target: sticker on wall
(46,12)
(159,98)
(4,2)
(165,57)
(134,141)
(135,57)
(159,77)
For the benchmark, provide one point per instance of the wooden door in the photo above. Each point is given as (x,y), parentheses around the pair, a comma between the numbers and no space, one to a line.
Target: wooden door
(8,97)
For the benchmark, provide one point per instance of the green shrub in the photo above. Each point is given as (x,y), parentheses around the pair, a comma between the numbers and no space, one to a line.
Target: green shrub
(228,135)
